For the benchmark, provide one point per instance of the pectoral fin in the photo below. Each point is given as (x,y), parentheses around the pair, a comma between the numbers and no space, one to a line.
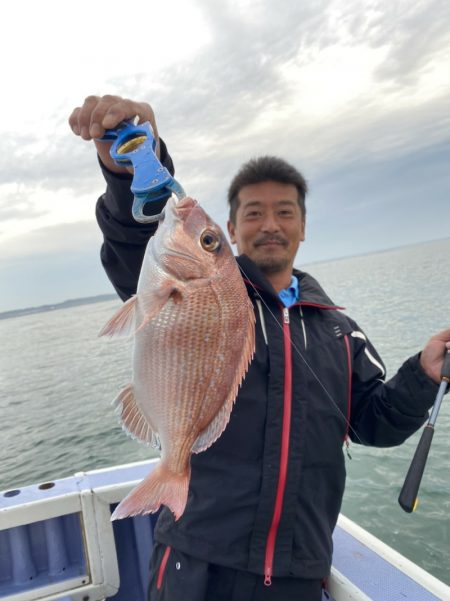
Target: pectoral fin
(122,322)
(158,299)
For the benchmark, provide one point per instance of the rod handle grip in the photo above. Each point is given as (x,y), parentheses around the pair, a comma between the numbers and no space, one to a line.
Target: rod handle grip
(408,494)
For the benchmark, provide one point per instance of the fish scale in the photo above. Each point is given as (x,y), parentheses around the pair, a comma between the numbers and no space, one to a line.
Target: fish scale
(186,326)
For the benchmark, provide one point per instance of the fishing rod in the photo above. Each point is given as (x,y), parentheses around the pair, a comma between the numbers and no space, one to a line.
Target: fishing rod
(135,146)
(408,495)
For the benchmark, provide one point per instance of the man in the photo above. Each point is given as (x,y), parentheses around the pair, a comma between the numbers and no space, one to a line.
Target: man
(264,499)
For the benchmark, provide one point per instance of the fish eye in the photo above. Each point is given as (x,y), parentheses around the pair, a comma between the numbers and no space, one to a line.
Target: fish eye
(210,241)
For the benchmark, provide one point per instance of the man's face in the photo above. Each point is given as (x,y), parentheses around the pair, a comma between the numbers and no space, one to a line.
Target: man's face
(269,225)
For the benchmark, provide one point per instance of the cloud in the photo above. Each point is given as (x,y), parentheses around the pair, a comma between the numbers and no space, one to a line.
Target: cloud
(55,163)
(352,208)
(235,96)
(235,99)
(51,265)
(417,34)
(16,205)
(51,278)
(64,238)
(377,205)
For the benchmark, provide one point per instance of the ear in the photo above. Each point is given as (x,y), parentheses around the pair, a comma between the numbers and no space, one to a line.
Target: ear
(231,231)
(302,235)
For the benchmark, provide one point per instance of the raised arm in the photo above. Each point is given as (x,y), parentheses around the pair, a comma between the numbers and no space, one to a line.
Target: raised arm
(124,240)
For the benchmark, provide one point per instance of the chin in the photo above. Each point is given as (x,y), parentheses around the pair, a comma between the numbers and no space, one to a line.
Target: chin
(271,264)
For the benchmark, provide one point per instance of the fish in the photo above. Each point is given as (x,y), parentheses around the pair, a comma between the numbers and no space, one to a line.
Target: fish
(193,329)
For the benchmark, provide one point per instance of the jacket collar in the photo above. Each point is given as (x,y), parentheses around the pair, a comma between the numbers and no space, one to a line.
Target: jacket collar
(311,292)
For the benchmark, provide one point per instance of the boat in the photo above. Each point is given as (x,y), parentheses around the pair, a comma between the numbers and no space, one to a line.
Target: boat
(57,542)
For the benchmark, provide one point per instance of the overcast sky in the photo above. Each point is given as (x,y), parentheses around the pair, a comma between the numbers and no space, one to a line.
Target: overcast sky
(354,93)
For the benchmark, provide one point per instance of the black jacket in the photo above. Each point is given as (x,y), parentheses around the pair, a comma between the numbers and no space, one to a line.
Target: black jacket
(266,495)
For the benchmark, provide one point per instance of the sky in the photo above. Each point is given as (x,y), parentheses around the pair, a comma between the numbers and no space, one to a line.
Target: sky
(354,93)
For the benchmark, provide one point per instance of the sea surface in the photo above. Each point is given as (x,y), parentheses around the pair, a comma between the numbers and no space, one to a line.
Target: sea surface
(57,379)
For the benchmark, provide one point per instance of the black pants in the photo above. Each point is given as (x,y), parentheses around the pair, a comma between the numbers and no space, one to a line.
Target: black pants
(176,576)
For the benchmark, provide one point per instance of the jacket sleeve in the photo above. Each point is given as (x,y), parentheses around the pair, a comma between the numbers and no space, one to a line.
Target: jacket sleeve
(124,239)
(385,414)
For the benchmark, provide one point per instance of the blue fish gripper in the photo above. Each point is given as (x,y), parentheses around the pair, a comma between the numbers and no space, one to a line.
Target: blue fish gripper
(134,146)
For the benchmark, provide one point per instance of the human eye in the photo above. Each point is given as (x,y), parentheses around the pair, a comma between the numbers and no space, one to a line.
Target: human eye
(252,214)
(286,212)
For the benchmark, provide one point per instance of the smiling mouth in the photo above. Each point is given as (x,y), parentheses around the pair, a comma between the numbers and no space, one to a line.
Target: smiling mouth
(270,243)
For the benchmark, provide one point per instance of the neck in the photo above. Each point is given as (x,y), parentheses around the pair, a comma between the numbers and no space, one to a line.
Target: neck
(280,280)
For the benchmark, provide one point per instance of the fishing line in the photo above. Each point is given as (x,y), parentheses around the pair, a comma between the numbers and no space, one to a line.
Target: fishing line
(300,354)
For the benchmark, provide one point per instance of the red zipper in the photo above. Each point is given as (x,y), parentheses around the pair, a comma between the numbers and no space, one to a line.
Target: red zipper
(271,539)
(162,567)
(349,392)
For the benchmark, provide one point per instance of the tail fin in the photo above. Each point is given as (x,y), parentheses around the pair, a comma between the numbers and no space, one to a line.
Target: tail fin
(161,487)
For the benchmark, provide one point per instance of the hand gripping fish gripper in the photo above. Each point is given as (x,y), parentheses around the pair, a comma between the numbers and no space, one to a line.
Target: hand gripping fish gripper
(134,146)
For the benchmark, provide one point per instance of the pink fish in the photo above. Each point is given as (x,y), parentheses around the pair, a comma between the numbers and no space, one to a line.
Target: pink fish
(194,336)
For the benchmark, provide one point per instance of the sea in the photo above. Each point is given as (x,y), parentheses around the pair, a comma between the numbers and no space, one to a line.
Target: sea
(57,381)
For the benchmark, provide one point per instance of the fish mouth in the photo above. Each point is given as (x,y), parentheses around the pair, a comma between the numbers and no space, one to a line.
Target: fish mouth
(183,207)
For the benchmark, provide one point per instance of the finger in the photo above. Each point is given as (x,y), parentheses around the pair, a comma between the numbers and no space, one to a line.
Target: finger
(84,116)
(73,121)
(104,104)
(146,113)
(120,111)
(444,336)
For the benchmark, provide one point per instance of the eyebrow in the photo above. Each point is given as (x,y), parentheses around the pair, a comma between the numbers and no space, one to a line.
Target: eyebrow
(258,203)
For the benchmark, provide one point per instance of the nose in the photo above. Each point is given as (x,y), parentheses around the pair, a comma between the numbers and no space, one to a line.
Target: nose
(270,224)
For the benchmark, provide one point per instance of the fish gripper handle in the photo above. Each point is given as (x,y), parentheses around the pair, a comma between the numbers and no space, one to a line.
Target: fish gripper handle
(134,146)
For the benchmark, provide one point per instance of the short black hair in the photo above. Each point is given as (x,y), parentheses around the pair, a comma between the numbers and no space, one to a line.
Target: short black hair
(264,169)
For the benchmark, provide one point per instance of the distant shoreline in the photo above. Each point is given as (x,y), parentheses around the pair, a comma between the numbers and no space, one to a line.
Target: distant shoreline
(54,307)
(107,297)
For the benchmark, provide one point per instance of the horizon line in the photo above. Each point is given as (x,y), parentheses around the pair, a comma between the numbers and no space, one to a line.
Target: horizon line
(111,295)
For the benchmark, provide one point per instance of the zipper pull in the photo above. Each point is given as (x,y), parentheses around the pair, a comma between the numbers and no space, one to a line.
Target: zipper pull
(286,315)
(267,579)
(347,446)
